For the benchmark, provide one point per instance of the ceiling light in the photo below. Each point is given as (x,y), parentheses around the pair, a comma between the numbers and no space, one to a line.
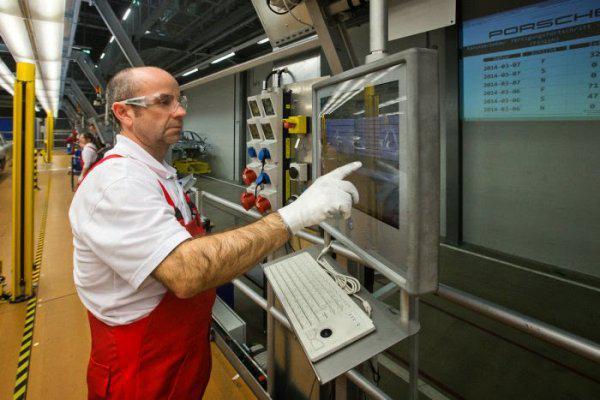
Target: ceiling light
(47,10)
(112,39)
(225,57)
(37,37)
(87,51)
(147,32)
(126,14)
(263,41)
(16,38)
(102,55)
(191,71)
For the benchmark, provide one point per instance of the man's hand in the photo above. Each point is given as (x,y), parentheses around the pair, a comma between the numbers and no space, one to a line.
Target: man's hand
(328,196)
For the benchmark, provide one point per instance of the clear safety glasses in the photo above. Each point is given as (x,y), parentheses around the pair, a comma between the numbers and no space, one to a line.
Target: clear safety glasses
(164,100)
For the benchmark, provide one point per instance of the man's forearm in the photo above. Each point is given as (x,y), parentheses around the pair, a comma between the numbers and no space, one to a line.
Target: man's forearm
(210,261)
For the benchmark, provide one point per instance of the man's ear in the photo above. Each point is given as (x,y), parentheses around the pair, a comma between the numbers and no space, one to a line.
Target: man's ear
(123,114)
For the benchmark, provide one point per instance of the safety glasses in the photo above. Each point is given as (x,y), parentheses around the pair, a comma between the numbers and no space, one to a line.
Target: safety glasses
(161,99)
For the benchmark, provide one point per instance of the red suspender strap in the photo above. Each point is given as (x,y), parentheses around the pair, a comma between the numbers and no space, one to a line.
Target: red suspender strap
(100,162)
(178,214)
(167,195)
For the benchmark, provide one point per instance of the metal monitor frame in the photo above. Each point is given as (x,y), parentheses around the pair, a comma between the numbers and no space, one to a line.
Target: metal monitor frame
(417,270)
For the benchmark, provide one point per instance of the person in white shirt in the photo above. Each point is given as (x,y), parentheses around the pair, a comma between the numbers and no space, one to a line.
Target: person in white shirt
(142,266)
(89,153)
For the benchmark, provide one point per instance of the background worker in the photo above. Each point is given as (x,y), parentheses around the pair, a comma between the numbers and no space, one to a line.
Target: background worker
(142,266)
(89,153)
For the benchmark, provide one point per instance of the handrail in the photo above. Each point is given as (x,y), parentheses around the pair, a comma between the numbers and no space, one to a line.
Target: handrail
(359,380)
(551,334)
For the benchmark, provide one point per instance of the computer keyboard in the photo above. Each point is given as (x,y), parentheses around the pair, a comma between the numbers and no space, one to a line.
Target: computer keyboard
(324,318)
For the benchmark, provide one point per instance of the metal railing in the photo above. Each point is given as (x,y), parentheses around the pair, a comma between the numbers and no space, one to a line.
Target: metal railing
(551,334)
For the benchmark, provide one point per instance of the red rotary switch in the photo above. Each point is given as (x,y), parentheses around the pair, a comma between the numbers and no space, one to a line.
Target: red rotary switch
(288,125)
(248,200)
(248,176)
(263,204)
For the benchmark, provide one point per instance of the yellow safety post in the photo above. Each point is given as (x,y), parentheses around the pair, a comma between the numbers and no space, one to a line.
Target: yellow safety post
(49,136)
(22,182)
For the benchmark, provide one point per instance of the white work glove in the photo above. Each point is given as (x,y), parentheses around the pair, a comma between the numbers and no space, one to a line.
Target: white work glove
(328,196)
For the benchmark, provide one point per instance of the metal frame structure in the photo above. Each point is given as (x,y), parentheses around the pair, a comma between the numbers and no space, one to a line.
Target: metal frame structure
(86,65)
(22,182)
(115,27)
(334,40)
(409,308)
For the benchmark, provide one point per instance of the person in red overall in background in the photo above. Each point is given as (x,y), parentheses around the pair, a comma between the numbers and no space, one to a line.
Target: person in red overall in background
(71,141)
(143,267)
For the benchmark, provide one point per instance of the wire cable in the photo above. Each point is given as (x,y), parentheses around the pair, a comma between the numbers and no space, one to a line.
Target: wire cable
(289,10)
(349,284)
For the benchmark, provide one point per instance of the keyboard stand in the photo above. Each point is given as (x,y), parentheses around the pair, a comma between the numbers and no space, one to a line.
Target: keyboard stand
(389,330)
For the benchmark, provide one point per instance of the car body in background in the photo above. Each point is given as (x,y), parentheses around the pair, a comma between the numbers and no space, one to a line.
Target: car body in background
(5,152)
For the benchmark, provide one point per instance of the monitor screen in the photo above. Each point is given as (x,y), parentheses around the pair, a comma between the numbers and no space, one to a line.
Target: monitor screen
(254,131)
(361,121)
(254,108)
(538,62)
(268,106)
(385,114)
(268,131)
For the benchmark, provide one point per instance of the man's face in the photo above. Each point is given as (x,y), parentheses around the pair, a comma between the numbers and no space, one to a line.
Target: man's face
(82,141)
(159,124)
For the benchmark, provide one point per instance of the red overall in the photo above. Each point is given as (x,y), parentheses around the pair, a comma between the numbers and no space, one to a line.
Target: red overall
(165,355)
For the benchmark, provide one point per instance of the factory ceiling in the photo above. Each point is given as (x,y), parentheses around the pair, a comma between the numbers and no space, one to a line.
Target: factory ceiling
(172,34)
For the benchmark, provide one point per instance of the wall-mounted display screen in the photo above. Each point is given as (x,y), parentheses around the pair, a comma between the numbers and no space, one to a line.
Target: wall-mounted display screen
(363,124)
(268,106)
(254,108)
(268,131)
(254,131)
(536,62)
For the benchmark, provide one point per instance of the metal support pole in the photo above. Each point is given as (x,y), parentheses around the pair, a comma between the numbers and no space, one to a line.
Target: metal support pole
(378,29)
(409,310)
(115,27)
(270,342)
(49,136)
(22,182)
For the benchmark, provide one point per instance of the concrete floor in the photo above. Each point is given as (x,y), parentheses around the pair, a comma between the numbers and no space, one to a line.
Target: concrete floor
(61,334)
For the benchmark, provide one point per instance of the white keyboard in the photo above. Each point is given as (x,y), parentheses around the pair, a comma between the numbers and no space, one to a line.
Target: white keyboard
(324,318)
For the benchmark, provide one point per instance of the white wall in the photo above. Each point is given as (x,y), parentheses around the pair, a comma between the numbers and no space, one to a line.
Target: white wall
(211,114)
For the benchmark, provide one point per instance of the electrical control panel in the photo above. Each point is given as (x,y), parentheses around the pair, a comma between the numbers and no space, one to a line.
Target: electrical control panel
(279,146)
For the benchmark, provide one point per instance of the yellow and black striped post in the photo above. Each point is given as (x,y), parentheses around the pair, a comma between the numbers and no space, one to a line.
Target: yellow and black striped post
(35,170)
(22,182)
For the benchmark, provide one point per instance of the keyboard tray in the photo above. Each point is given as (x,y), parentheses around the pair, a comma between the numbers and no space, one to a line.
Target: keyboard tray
(389,330)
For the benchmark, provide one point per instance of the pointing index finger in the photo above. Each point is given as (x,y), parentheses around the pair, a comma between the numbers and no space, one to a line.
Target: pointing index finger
(345,170)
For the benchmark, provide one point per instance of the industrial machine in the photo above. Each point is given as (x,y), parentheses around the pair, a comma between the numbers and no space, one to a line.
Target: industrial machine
(190,154)
(279,146)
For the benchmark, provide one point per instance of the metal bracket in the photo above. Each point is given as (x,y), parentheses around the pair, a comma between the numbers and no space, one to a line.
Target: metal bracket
(334,40)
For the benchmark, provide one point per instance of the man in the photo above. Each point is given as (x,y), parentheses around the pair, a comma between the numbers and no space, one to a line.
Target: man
(141,265)
(89,153)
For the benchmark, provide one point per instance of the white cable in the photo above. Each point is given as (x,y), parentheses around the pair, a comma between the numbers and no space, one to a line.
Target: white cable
(349,284)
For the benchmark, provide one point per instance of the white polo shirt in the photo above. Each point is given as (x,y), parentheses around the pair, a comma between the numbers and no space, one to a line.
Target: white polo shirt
(123,228)
(89,154)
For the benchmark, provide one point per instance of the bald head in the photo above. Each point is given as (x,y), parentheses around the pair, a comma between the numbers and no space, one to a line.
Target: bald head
(131,82)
